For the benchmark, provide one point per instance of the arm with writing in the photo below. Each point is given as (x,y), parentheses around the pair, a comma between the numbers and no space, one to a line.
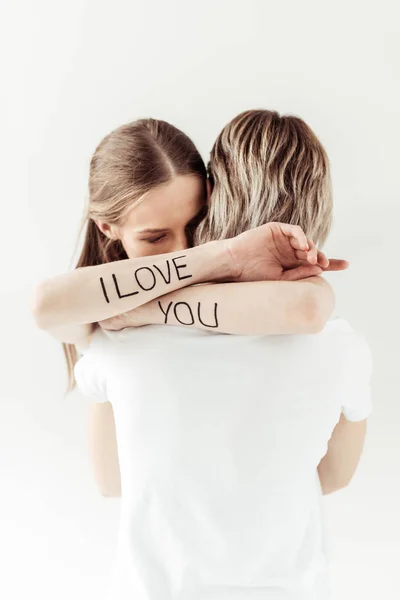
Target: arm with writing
(84,296)
(91,294)
(252,308)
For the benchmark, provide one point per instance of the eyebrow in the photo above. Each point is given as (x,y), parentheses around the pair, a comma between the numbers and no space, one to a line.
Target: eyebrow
(151,230)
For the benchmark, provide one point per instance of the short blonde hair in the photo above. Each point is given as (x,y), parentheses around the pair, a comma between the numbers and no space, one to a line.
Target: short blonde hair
(265,167)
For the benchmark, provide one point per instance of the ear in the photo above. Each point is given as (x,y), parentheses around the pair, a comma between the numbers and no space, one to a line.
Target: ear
(107,230)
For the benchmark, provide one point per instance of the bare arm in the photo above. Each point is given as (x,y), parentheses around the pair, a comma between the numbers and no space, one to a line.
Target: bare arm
(90,294)
(103,449)
(275,251)
(338,466)
(258,308)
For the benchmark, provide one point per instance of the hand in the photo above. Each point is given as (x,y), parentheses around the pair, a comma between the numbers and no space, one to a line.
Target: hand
(132,318)
(278,251)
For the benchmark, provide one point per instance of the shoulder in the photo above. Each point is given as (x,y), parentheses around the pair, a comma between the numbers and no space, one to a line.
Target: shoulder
(354,346)
(91,353)
(337,325)
(353,368)
(90,370)
(341,328)
(95,344)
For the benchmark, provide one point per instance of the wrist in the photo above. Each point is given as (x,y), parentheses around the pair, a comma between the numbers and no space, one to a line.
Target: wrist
(217,262)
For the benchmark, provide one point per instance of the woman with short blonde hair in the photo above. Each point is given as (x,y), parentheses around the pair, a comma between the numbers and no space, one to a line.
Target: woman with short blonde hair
(265,168)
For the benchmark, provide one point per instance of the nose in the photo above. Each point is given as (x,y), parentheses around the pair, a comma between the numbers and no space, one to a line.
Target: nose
(181,242)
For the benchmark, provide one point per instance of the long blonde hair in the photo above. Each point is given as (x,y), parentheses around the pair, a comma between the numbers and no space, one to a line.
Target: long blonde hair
(265,167)
(129,162)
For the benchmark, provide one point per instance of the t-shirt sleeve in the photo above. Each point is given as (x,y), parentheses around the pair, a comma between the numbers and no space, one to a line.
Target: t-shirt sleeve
(90,378)
(357,402)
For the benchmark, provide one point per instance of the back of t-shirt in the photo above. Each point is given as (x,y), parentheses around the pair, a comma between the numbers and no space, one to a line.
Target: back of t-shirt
(219,438)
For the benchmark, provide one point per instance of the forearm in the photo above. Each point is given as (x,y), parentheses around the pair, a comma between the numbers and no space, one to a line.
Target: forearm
(259,308)
(91,294)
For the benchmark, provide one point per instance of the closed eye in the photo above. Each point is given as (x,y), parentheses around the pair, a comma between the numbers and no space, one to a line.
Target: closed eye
(156,239)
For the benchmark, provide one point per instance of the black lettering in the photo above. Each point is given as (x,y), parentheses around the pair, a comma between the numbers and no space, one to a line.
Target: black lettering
(177,267)
(215,315)
(138,282)
(118,292)
(163,311)
(103,287)
(190,312)
(162,274)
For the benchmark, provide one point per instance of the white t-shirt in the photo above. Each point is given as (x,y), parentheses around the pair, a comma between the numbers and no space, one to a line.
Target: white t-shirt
(219,438)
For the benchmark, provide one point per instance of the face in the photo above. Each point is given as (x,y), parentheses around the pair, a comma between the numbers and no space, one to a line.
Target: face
(160,223)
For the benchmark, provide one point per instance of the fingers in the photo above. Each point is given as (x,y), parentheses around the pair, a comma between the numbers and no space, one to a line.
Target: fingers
(317,257)
(301,272)
(322,260)
(304,247)
(313,256)
(111,324)
(106,325)
(336,264)
(305,250)
(301,255)
(297,237)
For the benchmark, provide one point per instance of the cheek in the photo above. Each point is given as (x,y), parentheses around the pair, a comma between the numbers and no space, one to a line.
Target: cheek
(133,249)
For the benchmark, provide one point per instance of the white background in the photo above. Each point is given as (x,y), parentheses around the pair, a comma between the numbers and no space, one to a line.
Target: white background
(72,71)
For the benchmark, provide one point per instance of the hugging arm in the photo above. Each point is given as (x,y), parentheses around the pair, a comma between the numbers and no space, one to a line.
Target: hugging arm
(251,308)
(68,304)
(275,251)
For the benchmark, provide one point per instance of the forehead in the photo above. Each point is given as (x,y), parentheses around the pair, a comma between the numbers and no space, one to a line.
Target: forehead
(169,205)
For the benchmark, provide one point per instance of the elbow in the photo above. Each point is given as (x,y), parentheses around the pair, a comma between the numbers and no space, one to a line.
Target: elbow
(330,485)
(110,492)
(39,305)
(317,308)
(36,305)
(108,484)
(315,316)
